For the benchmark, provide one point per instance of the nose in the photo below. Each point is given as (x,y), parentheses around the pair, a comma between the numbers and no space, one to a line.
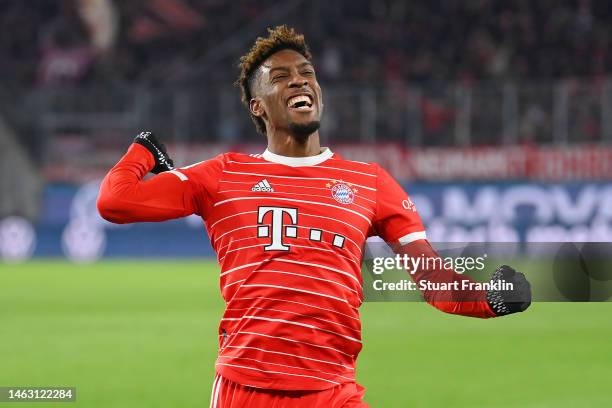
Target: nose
(297,81)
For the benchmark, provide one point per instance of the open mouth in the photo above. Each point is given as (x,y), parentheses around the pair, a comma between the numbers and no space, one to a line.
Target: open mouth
(300,103)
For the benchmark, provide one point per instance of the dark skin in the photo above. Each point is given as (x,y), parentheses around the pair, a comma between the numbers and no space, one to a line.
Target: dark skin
(281,77)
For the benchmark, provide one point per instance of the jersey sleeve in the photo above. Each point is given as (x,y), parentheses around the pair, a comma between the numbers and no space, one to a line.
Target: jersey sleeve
(399,224)
(126,197)
(465,302)
(204,178)
(396,219)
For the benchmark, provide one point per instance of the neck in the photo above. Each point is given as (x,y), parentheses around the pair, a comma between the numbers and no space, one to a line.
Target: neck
(285,144)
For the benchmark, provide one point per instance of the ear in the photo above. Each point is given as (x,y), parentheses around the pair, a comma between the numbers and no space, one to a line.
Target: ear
(256,107)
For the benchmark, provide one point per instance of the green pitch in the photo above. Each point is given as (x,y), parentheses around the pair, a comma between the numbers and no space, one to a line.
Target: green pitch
(136,334)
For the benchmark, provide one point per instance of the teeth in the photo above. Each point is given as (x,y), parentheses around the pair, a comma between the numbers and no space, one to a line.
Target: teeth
(297,99)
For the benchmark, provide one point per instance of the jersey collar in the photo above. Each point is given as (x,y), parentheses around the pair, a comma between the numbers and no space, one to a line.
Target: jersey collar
(298,161)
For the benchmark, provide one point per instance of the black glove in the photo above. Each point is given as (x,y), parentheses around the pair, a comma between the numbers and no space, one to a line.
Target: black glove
(163,162)
(505,302)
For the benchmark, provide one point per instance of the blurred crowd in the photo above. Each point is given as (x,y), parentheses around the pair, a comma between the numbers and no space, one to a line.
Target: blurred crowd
(473,39)
(75,74)
(83,76)
(86,41)
(82,41)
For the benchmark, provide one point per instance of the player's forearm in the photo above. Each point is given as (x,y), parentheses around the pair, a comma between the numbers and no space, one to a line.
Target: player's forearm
(455,300)
(126,198)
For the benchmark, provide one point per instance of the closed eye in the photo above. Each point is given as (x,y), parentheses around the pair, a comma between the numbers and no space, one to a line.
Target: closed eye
(279,77)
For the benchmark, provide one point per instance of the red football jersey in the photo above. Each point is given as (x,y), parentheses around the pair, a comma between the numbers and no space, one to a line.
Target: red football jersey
(289,234)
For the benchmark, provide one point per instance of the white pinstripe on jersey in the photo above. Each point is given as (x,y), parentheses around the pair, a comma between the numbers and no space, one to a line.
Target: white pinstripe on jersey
(297,303)
(287,366)
(214,394)
(231,216)
(297,314)
(238,268)
(295,341)
(350,275)
(295,290)
(296,274)
(270,197)
(279,372)
(318,166)
(310,326)
(301,194)
(296,178)
(292,355)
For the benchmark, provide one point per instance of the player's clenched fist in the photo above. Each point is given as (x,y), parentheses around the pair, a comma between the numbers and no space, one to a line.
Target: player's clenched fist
(163,162)
(509,299)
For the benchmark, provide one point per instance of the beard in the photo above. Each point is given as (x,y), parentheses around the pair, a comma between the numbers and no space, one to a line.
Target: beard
(301,131)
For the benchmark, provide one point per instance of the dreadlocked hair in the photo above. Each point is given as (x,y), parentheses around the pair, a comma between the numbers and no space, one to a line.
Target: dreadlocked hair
(279,38)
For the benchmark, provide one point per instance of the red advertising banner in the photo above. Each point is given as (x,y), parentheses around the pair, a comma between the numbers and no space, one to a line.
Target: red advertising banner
(488,163)
(535,163)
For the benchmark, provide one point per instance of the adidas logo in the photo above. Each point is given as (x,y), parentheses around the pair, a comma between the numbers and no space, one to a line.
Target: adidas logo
(263,185)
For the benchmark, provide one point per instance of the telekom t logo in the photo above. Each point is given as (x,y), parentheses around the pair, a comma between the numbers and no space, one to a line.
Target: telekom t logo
(277,226)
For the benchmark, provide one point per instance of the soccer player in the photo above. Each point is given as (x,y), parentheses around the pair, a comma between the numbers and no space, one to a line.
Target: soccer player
(289,227)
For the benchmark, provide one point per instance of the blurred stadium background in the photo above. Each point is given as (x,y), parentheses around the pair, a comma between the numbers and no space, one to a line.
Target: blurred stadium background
(496,116)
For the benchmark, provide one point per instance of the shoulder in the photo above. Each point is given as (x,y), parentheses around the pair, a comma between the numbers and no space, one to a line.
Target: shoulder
(233,157)
(366,168)
(206,168)
(220,160)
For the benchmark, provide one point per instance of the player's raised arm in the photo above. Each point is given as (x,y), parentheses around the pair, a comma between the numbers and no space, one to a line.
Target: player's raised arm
(399,224)
(125,197)
(459,298)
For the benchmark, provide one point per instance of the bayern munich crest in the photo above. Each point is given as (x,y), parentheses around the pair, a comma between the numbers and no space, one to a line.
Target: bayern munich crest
(342,192)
